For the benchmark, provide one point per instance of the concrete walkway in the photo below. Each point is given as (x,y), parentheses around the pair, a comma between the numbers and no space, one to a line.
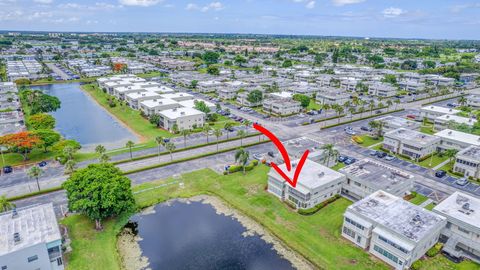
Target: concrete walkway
(441,165)
(425,203)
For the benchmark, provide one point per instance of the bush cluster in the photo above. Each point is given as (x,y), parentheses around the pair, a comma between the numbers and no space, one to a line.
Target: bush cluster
(316,208)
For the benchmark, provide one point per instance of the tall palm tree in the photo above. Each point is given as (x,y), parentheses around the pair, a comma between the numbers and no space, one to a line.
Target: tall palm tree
(389,104)
(68,152)
(339,110)
(451,153)
(227,126)
(241,133)
(104,158)
(242,156)
(206,129)
(352,110)
(130,144)
(70,166)
(329,152)
(170,148)
(159,140)
(371,106)
(246,123)
(326,107)
(218,133)
(35,172)
(185,133)
(462,101)
(5,204)
(397,101)
(100,150)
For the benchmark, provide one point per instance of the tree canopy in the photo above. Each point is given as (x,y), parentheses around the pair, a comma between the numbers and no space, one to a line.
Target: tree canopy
(303,99)
(99,191)
(255,96)
(41,121)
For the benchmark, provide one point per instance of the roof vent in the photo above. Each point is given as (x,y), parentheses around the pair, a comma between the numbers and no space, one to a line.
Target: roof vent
(417,220)
(466,206)
(182,113)
(16,237)
(450,132)
(321,174)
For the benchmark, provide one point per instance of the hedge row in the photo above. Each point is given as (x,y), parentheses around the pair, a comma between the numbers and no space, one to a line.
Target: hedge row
(239,168)
(190,158)
(316,208)
(443,99)
(182,149)
(360,119)
(41,192)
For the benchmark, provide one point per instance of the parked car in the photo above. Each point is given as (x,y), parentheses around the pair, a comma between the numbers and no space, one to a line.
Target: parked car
(365,128)
(350,132)
(381,154)
(462,182)
(350,161)
(378,112)
(411,116)
(42,163)
(390,158)
(342,158)
(257,156)
(166,140)
(270,153)
(7,169)
(372,152)
(440,173)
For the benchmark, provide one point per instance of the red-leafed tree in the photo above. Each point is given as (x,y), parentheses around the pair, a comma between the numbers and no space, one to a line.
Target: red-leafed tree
(118,67)
(22,142)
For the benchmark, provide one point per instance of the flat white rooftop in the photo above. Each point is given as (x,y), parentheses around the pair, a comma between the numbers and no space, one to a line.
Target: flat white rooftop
(180,112)
(462,207)
(146,94)
(35,224)
(282,95)
(438,109)
(456,119)
(191,103)
(152,103)
(472,152)
(454,135)
(398,215)
(412,136)
(312,175)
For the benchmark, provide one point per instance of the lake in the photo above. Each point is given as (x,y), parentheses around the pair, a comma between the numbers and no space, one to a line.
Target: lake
(181,235)
(80,118)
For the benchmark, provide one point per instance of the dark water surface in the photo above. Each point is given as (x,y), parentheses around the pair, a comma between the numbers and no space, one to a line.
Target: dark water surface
(193,236)
(82,119)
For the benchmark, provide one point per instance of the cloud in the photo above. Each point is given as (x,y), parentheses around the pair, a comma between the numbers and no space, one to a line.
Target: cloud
(216,6)
(310,5)
(43,1)
(346,2)
(460,8)
(96,6)
(392,12)
(140,3)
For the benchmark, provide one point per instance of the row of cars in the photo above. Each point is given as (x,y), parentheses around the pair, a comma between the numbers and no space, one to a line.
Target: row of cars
(9,169)
(460,181)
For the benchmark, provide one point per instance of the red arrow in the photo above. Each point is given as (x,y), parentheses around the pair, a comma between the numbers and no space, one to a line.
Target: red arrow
(286,158)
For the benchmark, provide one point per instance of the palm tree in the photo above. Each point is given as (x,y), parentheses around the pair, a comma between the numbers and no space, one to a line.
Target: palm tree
(206,129)
(100,150)
(462,101)
(218,134)
(329,152)
(246,123)
(242,157)
(371,106)
(450,153)
(35,172)
(339,110)
(241,133)
(185,133)
(104,158)
(70,166)
(159,140)
(326,107)
(130,144)
(5,204)
(351,110)
(397,101)
(68,152)
(170,148)
(228,126)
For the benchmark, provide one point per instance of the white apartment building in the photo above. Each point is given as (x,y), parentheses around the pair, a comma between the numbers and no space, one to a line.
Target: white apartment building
(462,232)
(134,99)
(209,86)
(281,106)
(443,122)
(392,229)
(178,96)
(467,162)
(227,93)
(333,96)
(394,122)
(410,143)
(30,239)
(452,139)
(316,183)
(473,100)
(431,112)
(8,87)
(242,98)
(367,176)
(191,104)
(184,118)
(381,89)
(154,106)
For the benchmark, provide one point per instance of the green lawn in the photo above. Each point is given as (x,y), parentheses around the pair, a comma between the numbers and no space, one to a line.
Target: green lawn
(128,116)
(37,155)
(316,237)
(428,129)
(418,199)
(442,263)
(432,161)
(369,140)
(313,105)
(430,206)
(338,166)
(150,74)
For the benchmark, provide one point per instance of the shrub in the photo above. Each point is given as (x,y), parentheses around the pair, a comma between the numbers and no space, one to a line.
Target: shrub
(316,208)
(432,252)
(357,139)
(238,168)
(425,157)
(417,265)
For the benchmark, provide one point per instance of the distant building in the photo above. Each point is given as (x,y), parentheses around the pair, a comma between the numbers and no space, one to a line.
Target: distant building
(184,118)
(30,239)
(316,183)
(392,229)
(367,176)
(431,112)
(394,122)
(410,143)
(444,121)
(462,232)
(467,162)
(452,139)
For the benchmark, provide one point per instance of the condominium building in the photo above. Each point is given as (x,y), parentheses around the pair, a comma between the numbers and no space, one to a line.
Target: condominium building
(473,100)
(461,235)
(410,143)
(242,98)
(332,96)
(281,106)
(227,93)
(154,106)
(467,162)
(134,99)
(316,183)
(30,239)
(452,139)
(367,176)
(8,87)
(394,122)
(183,118)
(445,121)
(431,112)
(392,229)
(381,90)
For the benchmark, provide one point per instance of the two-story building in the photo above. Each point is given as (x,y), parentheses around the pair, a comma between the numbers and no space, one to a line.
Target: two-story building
(411,143)
(467,162)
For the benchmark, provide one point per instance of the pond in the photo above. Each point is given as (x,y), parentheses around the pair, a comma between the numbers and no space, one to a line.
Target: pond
(192,235)
(80,118)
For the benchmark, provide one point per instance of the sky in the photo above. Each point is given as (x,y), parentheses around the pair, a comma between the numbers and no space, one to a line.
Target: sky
(438,19)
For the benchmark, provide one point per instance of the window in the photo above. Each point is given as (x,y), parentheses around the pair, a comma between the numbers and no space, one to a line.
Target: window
(59,261)
(463,230)
(359,239)
(354,223)
(32,258)
(386,254)
(348,232)
(4,267)
(391,243)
